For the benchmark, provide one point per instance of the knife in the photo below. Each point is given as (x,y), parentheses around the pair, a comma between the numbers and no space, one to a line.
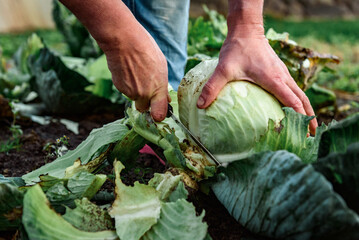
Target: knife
(183,127)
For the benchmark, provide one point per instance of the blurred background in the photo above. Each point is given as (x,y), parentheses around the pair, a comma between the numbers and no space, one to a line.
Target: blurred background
(326,26)
(20,15)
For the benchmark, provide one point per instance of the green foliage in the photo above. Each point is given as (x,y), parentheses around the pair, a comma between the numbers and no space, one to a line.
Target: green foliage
(10,206)
(341,170)
(206,36)
(320,97)
(339,136)
(329,30)
(79,41)
(10,42)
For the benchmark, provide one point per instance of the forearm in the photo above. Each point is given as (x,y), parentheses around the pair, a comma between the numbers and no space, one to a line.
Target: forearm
(108,21)
(245,17)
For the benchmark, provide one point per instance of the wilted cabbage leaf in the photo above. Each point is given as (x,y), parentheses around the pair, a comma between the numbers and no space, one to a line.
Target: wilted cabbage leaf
(88,216)
(135,209)
(302,63)
(178,221)
(42,223)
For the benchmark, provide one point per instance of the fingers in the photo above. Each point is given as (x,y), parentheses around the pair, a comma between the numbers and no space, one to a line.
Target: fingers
(159,103)
(289,94)
(306,105)
(142,105)
(211,89)
(303,98)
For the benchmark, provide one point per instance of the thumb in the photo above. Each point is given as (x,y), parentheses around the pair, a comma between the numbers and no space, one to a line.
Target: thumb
(159,103)
(211,89)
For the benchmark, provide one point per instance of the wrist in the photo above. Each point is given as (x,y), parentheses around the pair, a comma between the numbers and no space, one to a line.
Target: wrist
(118,37)
(245,18)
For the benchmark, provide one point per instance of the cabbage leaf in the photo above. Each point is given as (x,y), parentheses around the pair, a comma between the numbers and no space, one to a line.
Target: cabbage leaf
(276,195)
(42,223)
(88,216)
(97,139)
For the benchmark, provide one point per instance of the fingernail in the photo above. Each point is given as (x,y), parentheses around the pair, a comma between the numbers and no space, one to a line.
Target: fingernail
(200,101)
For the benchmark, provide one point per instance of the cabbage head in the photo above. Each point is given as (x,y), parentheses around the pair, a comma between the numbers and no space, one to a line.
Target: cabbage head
(235,121)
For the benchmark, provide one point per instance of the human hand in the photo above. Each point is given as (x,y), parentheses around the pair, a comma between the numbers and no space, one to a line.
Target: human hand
(139,70)
(252,59)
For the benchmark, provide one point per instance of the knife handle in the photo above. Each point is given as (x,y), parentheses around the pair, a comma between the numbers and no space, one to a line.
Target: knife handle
(169,110)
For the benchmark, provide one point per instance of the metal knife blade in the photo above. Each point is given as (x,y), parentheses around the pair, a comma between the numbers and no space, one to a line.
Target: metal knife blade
(178,122)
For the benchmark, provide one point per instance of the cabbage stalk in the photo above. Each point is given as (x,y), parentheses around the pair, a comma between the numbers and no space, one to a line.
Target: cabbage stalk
(235,121)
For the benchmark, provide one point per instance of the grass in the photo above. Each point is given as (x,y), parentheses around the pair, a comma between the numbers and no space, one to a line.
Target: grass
(10,42)
(330,30)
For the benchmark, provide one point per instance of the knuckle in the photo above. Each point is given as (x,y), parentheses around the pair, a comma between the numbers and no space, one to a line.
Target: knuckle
(297,103)
(209,87)
(276,82)
(224,69)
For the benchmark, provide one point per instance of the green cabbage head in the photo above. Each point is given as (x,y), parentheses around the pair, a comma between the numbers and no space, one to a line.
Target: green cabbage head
(234,122)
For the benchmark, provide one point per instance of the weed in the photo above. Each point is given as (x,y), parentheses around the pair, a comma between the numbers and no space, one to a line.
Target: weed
(14,142)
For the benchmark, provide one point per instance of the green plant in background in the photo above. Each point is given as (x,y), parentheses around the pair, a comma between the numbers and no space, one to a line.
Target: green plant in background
(78,39)
(14,142)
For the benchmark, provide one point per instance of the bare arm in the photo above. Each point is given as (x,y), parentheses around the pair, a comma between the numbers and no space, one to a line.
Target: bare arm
(138,67)
(246,54)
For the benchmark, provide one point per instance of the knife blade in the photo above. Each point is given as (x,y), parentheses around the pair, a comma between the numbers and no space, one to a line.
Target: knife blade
(178,122)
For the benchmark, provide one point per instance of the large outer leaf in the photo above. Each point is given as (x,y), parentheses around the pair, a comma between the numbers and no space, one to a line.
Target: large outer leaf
(339,136)
(178,221)
(342,170)
(276,195)
(291,135)
(98,138)
(42,223)
(10,207)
